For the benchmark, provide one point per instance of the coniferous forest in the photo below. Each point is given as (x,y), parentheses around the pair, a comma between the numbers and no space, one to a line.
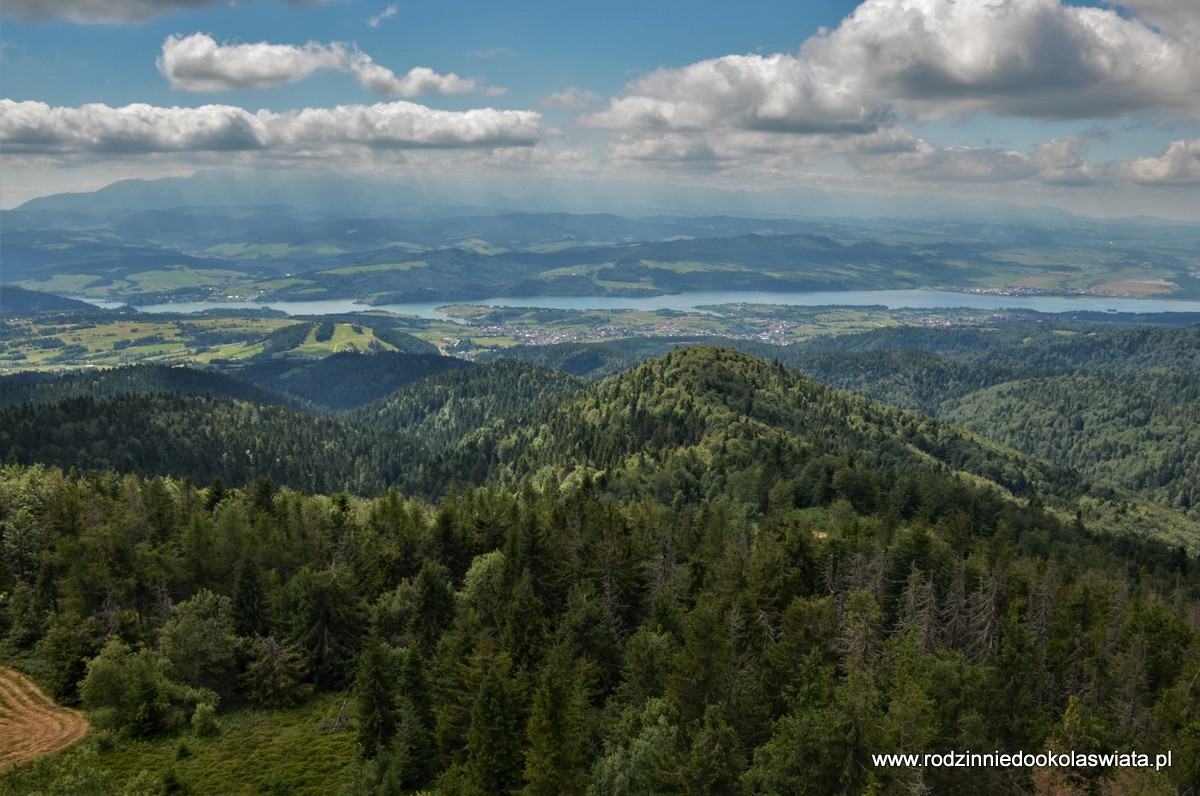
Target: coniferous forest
(559,399)
(704,574)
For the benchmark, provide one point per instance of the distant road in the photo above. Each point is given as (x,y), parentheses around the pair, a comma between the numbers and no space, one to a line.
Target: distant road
(31,723)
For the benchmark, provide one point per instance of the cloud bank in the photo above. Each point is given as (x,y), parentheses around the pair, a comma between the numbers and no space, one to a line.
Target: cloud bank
(199,63)
(848,94)
(37,128)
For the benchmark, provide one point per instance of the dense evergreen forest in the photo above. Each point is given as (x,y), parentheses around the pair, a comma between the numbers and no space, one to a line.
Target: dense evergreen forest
(1113,403)
(704,574)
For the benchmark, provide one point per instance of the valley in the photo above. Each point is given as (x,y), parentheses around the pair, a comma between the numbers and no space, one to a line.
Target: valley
(499,548)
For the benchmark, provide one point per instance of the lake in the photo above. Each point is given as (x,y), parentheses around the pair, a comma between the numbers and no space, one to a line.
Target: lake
(892,299)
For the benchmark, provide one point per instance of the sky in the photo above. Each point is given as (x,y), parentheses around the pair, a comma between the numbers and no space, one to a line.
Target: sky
(1090,107)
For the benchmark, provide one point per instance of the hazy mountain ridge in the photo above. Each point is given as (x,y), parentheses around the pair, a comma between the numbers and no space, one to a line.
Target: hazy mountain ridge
(450,197)
(305,237)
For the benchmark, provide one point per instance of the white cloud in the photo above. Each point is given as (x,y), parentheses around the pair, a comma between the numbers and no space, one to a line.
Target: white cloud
(570,97)
(199,63)
(419,80)
(1059,162)
(37,128)
(778,93)
(844,96)
(402,125)
(1179,166)
(1176,19)
(1062,161)
(110,12)
(386,13)
(1032,58)
(926,59)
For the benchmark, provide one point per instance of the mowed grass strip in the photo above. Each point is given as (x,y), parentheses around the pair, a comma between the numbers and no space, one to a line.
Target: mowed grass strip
(31,723)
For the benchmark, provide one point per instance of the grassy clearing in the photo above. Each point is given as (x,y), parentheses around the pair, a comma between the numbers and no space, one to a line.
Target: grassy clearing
(377,268)
(344,339)
(276,284)
(300,751)
(687,267)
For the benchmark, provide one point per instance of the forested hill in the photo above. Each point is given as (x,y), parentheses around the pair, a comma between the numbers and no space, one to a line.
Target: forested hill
(204,438)
(1141,433)
(702,422)
(1118,405)
(694,424)
(443,408)
(697,424)
(134,380)
(19,301)
(1115,404)
(1056,346)
(345,380)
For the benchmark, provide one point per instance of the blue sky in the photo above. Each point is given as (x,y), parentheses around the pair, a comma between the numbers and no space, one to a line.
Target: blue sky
(1093,108)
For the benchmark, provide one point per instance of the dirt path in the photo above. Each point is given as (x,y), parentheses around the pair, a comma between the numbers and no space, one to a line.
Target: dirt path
(31,724)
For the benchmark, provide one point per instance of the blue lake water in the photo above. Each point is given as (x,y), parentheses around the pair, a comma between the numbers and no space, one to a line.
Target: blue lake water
(893,299)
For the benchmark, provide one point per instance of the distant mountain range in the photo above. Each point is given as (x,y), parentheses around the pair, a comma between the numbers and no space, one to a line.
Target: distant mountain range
(303,236)
(334,194)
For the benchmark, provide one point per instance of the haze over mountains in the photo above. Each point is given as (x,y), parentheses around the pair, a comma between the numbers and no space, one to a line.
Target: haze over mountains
(313,237)
(397,197)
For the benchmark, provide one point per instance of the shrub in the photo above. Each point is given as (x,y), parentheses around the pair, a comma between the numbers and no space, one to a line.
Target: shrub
(204,720)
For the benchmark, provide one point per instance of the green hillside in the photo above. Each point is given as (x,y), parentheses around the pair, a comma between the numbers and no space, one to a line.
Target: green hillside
(203,438)
(441,409)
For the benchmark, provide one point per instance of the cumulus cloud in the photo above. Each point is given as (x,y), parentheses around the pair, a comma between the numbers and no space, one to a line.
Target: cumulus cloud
(925,59)
(1062,161)
(37,128)
(779,93)
(1033,58)
(570,97)
(199,63)
(109,12)
(419,80)
(1179,166)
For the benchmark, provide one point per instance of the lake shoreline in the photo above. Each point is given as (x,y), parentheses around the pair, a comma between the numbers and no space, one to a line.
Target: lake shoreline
(702,301)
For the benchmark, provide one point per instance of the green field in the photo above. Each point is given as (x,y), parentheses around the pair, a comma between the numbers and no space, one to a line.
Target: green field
(65,345)
(379,267)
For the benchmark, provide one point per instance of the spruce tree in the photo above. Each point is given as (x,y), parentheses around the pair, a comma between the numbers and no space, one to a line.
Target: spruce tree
(376,699)
(554,758)
(494,740)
